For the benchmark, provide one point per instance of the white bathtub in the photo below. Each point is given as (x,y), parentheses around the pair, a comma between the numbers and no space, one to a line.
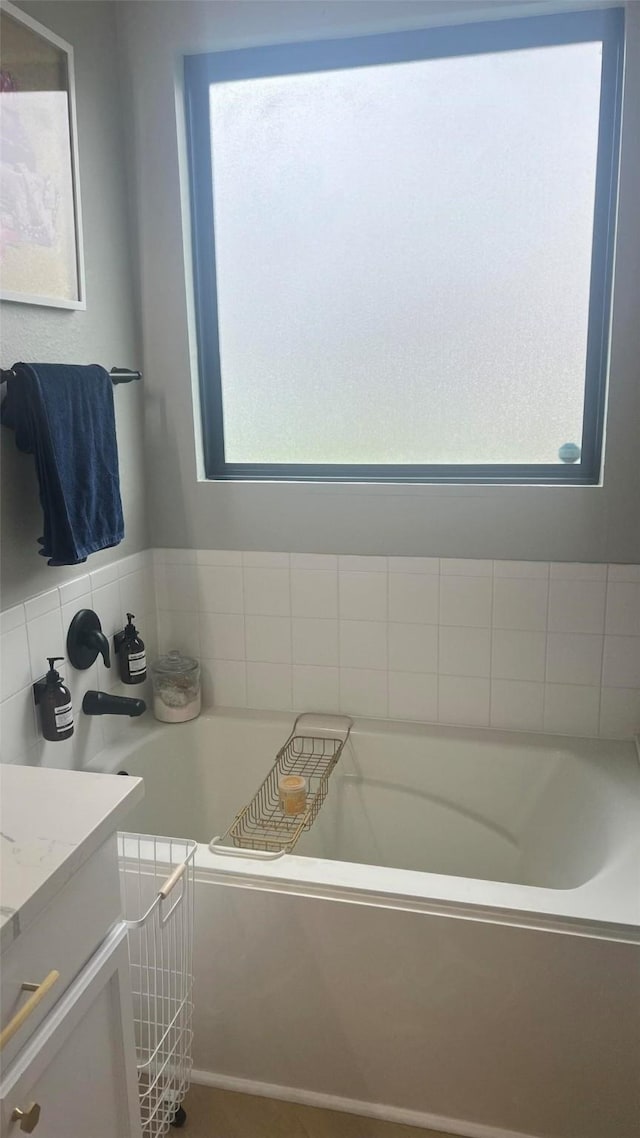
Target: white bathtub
(454,943)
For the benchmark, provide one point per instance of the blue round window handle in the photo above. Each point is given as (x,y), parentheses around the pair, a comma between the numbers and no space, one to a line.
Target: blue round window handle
(569,452)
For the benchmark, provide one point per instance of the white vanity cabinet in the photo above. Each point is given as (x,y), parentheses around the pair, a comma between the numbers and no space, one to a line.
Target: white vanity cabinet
(76,1077)
(66,1014)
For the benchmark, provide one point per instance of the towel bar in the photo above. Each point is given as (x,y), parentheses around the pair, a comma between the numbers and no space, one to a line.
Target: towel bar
(118,375)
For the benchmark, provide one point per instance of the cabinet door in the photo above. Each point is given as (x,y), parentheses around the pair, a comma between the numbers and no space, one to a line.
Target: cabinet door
(80,1067)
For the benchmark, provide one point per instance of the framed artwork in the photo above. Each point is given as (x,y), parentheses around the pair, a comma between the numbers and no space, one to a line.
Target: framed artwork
(41,259)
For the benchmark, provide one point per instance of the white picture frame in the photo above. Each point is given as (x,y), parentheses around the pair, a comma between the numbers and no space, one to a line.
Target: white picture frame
(50,253)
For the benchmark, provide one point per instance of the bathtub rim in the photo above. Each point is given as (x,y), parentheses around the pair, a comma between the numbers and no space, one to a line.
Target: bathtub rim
(606,906)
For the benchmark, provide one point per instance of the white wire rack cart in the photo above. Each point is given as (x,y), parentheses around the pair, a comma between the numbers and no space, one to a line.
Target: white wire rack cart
(157,886)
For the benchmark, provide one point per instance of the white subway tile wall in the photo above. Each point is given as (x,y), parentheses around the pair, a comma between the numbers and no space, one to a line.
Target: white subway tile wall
(314,593)
(315,642)
(413,648)
(520,645)
(413,597)
(315,687)
(518,654)
(38,628)
(509,644)
(517,704)
(413,695)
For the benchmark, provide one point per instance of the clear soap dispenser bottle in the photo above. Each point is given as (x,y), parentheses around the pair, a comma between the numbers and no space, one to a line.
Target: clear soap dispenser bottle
(54,700)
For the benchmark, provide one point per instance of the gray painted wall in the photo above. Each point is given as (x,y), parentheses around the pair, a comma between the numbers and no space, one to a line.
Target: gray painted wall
(107,332)
(559,523)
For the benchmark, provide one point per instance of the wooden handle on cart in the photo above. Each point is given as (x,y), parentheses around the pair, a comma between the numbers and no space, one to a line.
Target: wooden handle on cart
(173,880)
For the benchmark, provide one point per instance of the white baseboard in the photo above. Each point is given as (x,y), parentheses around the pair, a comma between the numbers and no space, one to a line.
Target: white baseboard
(353,1106)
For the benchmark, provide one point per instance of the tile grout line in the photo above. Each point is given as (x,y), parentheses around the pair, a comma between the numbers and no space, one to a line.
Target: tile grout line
(243,590)
(386,637)
(438,627)
(491,608)
(604,633)
(546,649)
(290,591)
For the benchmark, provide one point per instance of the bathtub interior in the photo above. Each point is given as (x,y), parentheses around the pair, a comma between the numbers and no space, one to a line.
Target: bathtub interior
(500,808)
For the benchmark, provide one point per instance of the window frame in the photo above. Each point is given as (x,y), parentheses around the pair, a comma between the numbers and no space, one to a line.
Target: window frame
(202,71)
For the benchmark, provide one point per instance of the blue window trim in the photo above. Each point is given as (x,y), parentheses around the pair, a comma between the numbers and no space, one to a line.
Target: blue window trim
(201,71)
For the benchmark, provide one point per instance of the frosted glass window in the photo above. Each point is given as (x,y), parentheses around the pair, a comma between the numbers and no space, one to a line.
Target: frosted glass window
(403,259)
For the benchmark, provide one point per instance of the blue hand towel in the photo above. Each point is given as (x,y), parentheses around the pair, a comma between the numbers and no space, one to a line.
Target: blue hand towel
(63,415)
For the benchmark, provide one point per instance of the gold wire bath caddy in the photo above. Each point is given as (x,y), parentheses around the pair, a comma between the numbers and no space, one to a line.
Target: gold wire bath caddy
(311,751)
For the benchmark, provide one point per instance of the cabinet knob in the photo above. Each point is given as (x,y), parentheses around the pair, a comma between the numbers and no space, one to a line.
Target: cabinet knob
(28,1118)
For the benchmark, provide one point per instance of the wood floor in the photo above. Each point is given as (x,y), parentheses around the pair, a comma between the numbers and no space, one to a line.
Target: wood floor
(225,1114)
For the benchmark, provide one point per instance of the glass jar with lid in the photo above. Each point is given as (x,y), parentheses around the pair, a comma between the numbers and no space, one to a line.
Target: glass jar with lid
(176,688)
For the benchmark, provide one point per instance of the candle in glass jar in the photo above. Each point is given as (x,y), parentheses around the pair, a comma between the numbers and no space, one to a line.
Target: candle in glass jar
(292,790)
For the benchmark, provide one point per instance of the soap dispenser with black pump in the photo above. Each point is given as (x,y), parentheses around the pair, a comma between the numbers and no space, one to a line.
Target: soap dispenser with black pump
(132,659)
(54,700)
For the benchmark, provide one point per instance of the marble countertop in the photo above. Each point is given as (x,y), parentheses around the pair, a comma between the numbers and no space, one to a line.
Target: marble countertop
(51,821)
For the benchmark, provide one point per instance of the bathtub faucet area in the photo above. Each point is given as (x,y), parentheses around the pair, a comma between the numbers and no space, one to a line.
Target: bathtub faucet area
(102,703)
